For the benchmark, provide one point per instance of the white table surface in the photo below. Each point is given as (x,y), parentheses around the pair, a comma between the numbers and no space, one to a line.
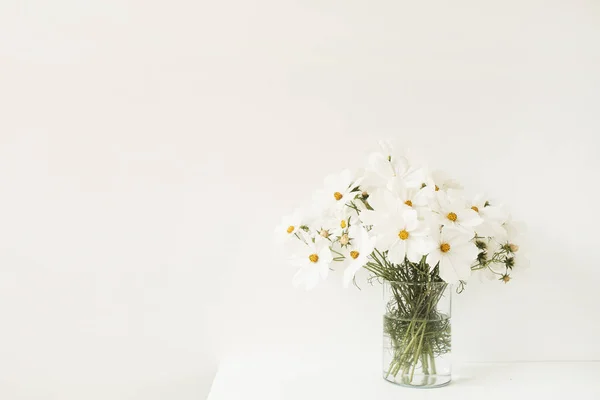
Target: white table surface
(287,376)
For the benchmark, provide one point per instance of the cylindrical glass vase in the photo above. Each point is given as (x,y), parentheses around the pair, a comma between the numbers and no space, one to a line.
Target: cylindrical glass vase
(416,333)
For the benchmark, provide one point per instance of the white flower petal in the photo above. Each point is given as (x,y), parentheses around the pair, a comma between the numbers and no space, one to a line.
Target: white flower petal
(386,148)
(461,267)
(421,197)
(372,181)
(490,229)
(401,164)
(397,187)
(397,252)
(479,201)
(370,217)
(346,178)
(325,256)
(426,245)
(434,257)
(493,213)
(349,273)
(323,269)
(414,178)
(378,201)
(353,268)
(521,262)
(411,219)
(421,231)
(307,277)
(455,236)
(412,251)
(385,241)
(466,251)
(311,281)
(447,271)
(443,201)
(457,199)
(379,164)
(468,218)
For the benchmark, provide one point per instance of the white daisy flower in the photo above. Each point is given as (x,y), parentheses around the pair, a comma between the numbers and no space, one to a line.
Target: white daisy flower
(314,263)
(413,197)
(382,167)
(357,251)
(453,211)
(438,180)
(492,217)
(336,191)
(289,227)
(402,235)
(454,252)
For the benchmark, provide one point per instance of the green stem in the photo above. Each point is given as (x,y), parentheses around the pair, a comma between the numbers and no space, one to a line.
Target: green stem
(424,363)
(418,352)
(432,358)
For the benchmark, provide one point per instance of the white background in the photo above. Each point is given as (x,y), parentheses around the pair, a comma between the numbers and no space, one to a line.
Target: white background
(148,149)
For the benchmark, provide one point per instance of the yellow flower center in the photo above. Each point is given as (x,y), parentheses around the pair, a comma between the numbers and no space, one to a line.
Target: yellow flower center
(408,203)
(313,258)
(343,224)
(290,229)
(354,254)
(475,208)
(437,188)
(338,195)
(451,216)
(445,247)
(403,235)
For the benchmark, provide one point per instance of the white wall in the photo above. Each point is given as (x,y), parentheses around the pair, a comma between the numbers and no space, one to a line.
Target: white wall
(147,150)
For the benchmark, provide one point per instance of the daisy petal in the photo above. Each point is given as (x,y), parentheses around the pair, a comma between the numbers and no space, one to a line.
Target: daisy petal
(434,257)
(413,253)
(461,267)
(447,271)
(469,218)
(397,252)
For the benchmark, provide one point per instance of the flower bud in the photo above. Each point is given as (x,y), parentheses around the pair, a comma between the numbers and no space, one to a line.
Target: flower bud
(344,239)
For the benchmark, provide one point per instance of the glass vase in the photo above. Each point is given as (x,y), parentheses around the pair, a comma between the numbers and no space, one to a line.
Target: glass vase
(417,334)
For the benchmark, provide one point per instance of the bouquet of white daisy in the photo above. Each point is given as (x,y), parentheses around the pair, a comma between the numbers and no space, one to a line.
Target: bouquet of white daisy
(417,233)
